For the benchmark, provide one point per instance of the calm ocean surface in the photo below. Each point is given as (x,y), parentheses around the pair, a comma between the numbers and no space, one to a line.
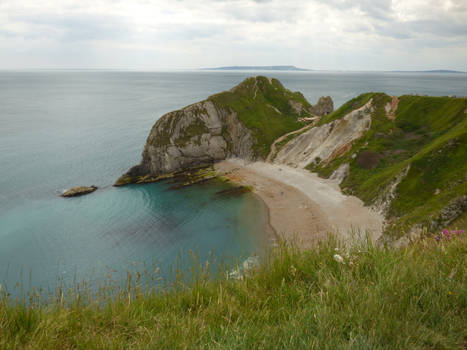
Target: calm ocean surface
(60,129)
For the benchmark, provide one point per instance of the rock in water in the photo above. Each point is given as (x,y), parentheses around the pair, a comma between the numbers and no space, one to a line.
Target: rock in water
(79,191)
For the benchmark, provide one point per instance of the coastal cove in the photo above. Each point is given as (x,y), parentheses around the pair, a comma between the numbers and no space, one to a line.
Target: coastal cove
(304,208)
(65,129)
(136,229)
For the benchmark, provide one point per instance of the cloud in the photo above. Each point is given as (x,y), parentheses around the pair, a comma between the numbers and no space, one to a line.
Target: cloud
(76,27)
(378,9)
(326,34)
(265,11)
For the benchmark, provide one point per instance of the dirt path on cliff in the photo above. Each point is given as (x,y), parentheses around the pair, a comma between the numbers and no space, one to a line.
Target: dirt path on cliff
(303,207)
(391,108)
(272,153)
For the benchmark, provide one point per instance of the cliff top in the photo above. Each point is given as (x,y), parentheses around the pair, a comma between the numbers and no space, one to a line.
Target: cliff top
(266,107)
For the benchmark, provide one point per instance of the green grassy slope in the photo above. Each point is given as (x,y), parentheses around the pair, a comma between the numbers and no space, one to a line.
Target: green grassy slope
(410,298)
(430,134)
(263,106)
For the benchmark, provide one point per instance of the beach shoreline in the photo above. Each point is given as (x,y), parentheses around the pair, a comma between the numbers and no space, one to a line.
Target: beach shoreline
(302,207)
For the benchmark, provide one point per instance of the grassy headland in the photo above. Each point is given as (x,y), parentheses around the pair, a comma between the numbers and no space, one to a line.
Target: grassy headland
(367,297)
(427,137)
(264,106)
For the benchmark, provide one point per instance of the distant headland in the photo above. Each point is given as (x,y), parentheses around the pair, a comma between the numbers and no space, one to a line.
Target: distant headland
(286,68)
(298,69)
(428,71)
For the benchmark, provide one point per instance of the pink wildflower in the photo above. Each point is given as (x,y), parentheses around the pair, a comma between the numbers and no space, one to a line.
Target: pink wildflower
(436,238)
(445,232)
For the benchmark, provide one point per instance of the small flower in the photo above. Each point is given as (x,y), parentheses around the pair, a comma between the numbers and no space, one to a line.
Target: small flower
(460,232)
(437,238)
(453,232)
(338,258)
(336,249)
(445,232)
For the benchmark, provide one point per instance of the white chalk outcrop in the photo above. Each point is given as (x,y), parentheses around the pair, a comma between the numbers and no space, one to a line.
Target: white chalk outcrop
(324,143)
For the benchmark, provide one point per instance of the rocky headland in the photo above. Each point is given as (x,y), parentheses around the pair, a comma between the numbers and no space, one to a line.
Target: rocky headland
(241,123)
(393,164)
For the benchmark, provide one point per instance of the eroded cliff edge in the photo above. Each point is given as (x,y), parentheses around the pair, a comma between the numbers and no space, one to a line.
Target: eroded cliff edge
(403,156)
(242,122)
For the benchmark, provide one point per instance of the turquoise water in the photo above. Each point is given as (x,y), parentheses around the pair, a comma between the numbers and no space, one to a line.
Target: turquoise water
(63,129)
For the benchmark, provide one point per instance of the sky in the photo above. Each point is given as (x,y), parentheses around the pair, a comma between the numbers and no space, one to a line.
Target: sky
(191,34)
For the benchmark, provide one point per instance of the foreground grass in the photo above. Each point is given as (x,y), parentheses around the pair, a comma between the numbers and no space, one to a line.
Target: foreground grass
(378,298)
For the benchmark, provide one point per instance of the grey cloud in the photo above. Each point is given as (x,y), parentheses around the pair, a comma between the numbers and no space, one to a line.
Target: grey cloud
(77,27)
(189,31)
(9,34)
(262,11)
(458,6)
(434,22)
(231,31)
(440,28)
(267,15)
(445,27)
(400,31)
(378,9)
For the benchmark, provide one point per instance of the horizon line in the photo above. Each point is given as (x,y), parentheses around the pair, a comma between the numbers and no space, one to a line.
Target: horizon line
(238,69)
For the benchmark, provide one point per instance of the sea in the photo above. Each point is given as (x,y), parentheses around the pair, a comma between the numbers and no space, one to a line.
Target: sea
(60,129)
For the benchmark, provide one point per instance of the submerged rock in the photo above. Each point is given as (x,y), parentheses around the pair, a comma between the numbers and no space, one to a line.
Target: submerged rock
(234,191)
(79,191)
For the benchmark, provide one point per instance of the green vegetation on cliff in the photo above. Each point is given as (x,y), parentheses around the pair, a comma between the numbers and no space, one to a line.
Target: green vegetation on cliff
(426,136)
(376,298)
(263,105)
(266,108)
(242,122)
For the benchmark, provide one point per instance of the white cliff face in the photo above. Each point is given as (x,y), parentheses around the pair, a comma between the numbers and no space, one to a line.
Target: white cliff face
(209,131)
(383,202)
(323,143)
(340,173)
(197,135)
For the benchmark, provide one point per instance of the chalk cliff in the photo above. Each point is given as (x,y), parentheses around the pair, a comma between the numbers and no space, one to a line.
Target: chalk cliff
(242,122)
(404,156)
(323,143)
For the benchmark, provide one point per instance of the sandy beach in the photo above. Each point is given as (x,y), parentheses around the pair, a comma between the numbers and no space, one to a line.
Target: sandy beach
(302,206)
